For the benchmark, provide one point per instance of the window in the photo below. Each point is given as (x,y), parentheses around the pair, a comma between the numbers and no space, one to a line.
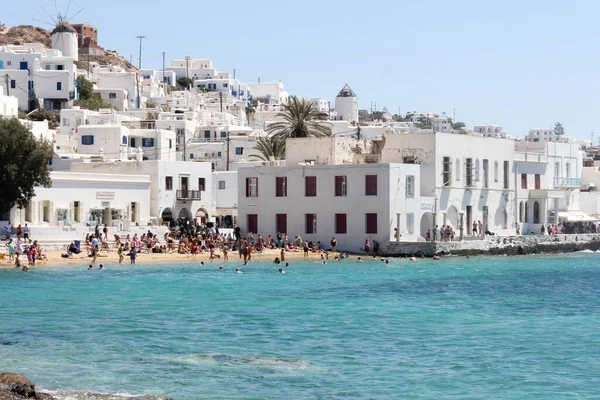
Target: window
(527,211)
(223,135)
(201,184)
(168,183)
(239,151)
(469,172)
(60,67)
(568,170)
(457,162)
(170,143)
(281,223)
(410,222)
(112,95)
(371,185)
(311,223)
(340,185)
(147,142)
(486,175)
(371,223)
(225,85)
(251,187)
(310,186)
(477,170)
(538,183)
(495,171)
(557,169)
(221,185)
(281,186)
(87,140)
(536,212)
(252,223)
(447,172)
(48,67)
(191,156)
(340,223)
(58,85)
(13,84)
(219,154)
(410,186)
(506,171)
(521,216)
(206,134)
(523,181)
(46,212)
(23,65)
(124,140)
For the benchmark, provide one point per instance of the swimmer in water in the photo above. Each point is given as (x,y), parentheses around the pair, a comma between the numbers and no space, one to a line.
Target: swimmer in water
(101,266)
(90,267)
(413,258)
(436,257)
(221,268)
(359,259)
(387,261)
(238,271)
(281,271)
(201,262)
(287,264)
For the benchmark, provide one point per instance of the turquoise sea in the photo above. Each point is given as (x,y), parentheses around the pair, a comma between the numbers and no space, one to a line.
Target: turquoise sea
(478,328)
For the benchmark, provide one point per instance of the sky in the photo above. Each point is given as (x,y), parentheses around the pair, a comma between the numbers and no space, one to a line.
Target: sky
(519,64)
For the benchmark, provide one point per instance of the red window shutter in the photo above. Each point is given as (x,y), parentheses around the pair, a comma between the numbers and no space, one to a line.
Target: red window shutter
(281,220)
(310,183)
(340,223)
(371,223)
(371,185)
(338,185)
(253,223)
(281,186)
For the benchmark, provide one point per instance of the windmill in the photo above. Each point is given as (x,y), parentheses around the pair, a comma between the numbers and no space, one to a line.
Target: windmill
(64,36)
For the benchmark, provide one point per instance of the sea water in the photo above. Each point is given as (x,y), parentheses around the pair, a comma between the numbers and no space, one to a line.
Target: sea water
(479,328)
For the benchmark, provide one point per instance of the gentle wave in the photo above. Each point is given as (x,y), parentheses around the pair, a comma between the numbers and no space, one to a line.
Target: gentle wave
(233,360)
(83,395)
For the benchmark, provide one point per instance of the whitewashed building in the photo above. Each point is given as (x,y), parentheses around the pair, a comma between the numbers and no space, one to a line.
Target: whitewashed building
(9,105)
(349,202)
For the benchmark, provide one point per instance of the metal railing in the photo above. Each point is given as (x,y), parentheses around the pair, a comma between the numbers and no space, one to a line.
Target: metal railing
(189,195)
(567,182)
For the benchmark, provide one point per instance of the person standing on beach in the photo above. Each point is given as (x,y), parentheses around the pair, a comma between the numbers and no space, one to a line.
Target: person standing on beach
(305,249)
(19,231)
(480,228)
(225,256)
(26,232)
(282,254)
(474,233)
(105,231)
(132,255)
(120,253)
(11,250)
(333,243)
(97,230)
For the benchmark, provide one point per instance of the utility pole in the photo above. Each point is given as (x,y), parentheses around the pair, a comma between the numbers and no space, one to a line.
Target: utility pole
(187,69)
(592,141)
(7,81)
(140,59)
(221,100)
(164,77)
(228,150)
(234,73)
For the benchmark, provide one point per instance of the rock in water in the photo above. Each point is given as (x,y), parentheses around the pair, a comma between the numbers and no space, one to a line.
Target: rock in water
(17,387)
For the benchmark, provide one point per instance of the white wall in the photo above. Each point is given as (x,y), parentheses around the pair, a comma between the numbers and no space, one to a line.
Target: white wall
(225,197)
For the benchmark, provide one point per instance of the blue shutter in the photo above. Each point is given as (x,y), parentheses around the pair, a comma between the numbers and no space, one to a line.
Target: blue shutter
(83,140)
(1,64)
(91,139)
(170,143)
(151,142)
(124,141)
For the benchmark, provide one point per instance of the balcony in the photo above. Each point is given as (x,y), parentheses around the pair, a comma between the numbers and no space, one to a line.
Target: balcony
(567,182)
(189,195)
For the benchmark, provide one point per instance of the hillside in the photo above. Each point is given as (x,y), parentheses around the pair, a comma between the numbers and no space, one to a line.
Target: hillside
(31,34)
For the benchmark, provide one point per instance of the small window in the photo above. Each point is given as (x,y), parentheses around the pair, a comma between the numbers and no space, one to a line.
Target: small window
(170,143)
(341,185)
(311,223)
(225,85)
(410,186)
(371,185)
(13,83)
(191,156)
(202,184)
(310,186)
(221,185)
(371,223)
(223,135)
(58,85)
(168,183)
(112,95)
(124,140)
(280,186)
(147,142)
(523,181)
(447,172)
(87,140)
(340,224)
(239,151)
(251,187)
(457,169)
(60,67)
(219,154)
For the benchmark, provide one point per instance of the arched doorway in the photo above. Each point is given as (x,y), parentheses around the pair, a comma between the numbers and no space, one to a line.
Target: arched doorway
(452,217)
(426,224)
(201,216)
(184,214)
(167,217)
(500,218)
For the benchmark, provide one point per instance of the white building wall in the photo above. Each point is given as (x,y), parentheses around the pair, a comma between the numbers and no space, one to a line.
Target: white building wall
(225,190)
(9,105)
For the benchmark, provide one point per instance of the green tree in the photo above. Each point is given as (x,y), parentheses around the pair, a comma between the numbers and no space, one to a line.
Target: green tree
(559,129)
(269,146)
(23,164)
(185,82)
(458,125)
(300,120)
(85,88)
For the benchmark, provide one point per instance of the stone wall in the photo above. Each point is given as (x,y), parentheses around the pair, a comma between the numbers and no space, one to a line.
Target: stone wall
(510,245)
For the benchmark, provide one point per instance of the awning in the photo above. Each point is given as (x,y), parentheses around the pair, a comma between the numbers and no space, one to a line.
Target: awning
(576,216)
(221,212)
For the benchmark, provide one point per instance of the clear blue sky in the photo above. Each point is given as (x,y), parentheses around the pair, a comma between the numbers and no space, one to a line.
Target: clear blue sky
(520,64)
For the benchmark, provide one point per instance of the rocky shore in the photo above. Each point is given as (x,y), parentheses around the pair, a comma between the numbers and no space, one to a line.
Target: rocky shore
(498,245)
(17,387)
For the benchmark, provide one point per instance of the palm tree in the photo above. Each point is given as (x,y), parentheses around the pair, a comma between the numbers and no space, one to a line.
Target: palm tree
(269,146)
(250,110)
(301,120)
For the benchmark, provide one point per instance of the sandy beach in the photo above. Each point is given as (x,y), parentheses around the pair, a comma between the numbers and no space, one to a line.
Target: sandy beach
(111,257)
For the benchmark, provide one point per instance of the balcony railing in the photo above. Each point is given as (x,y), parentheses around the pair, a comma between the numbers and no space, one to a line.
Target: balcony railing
(189,195)
(567,182)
